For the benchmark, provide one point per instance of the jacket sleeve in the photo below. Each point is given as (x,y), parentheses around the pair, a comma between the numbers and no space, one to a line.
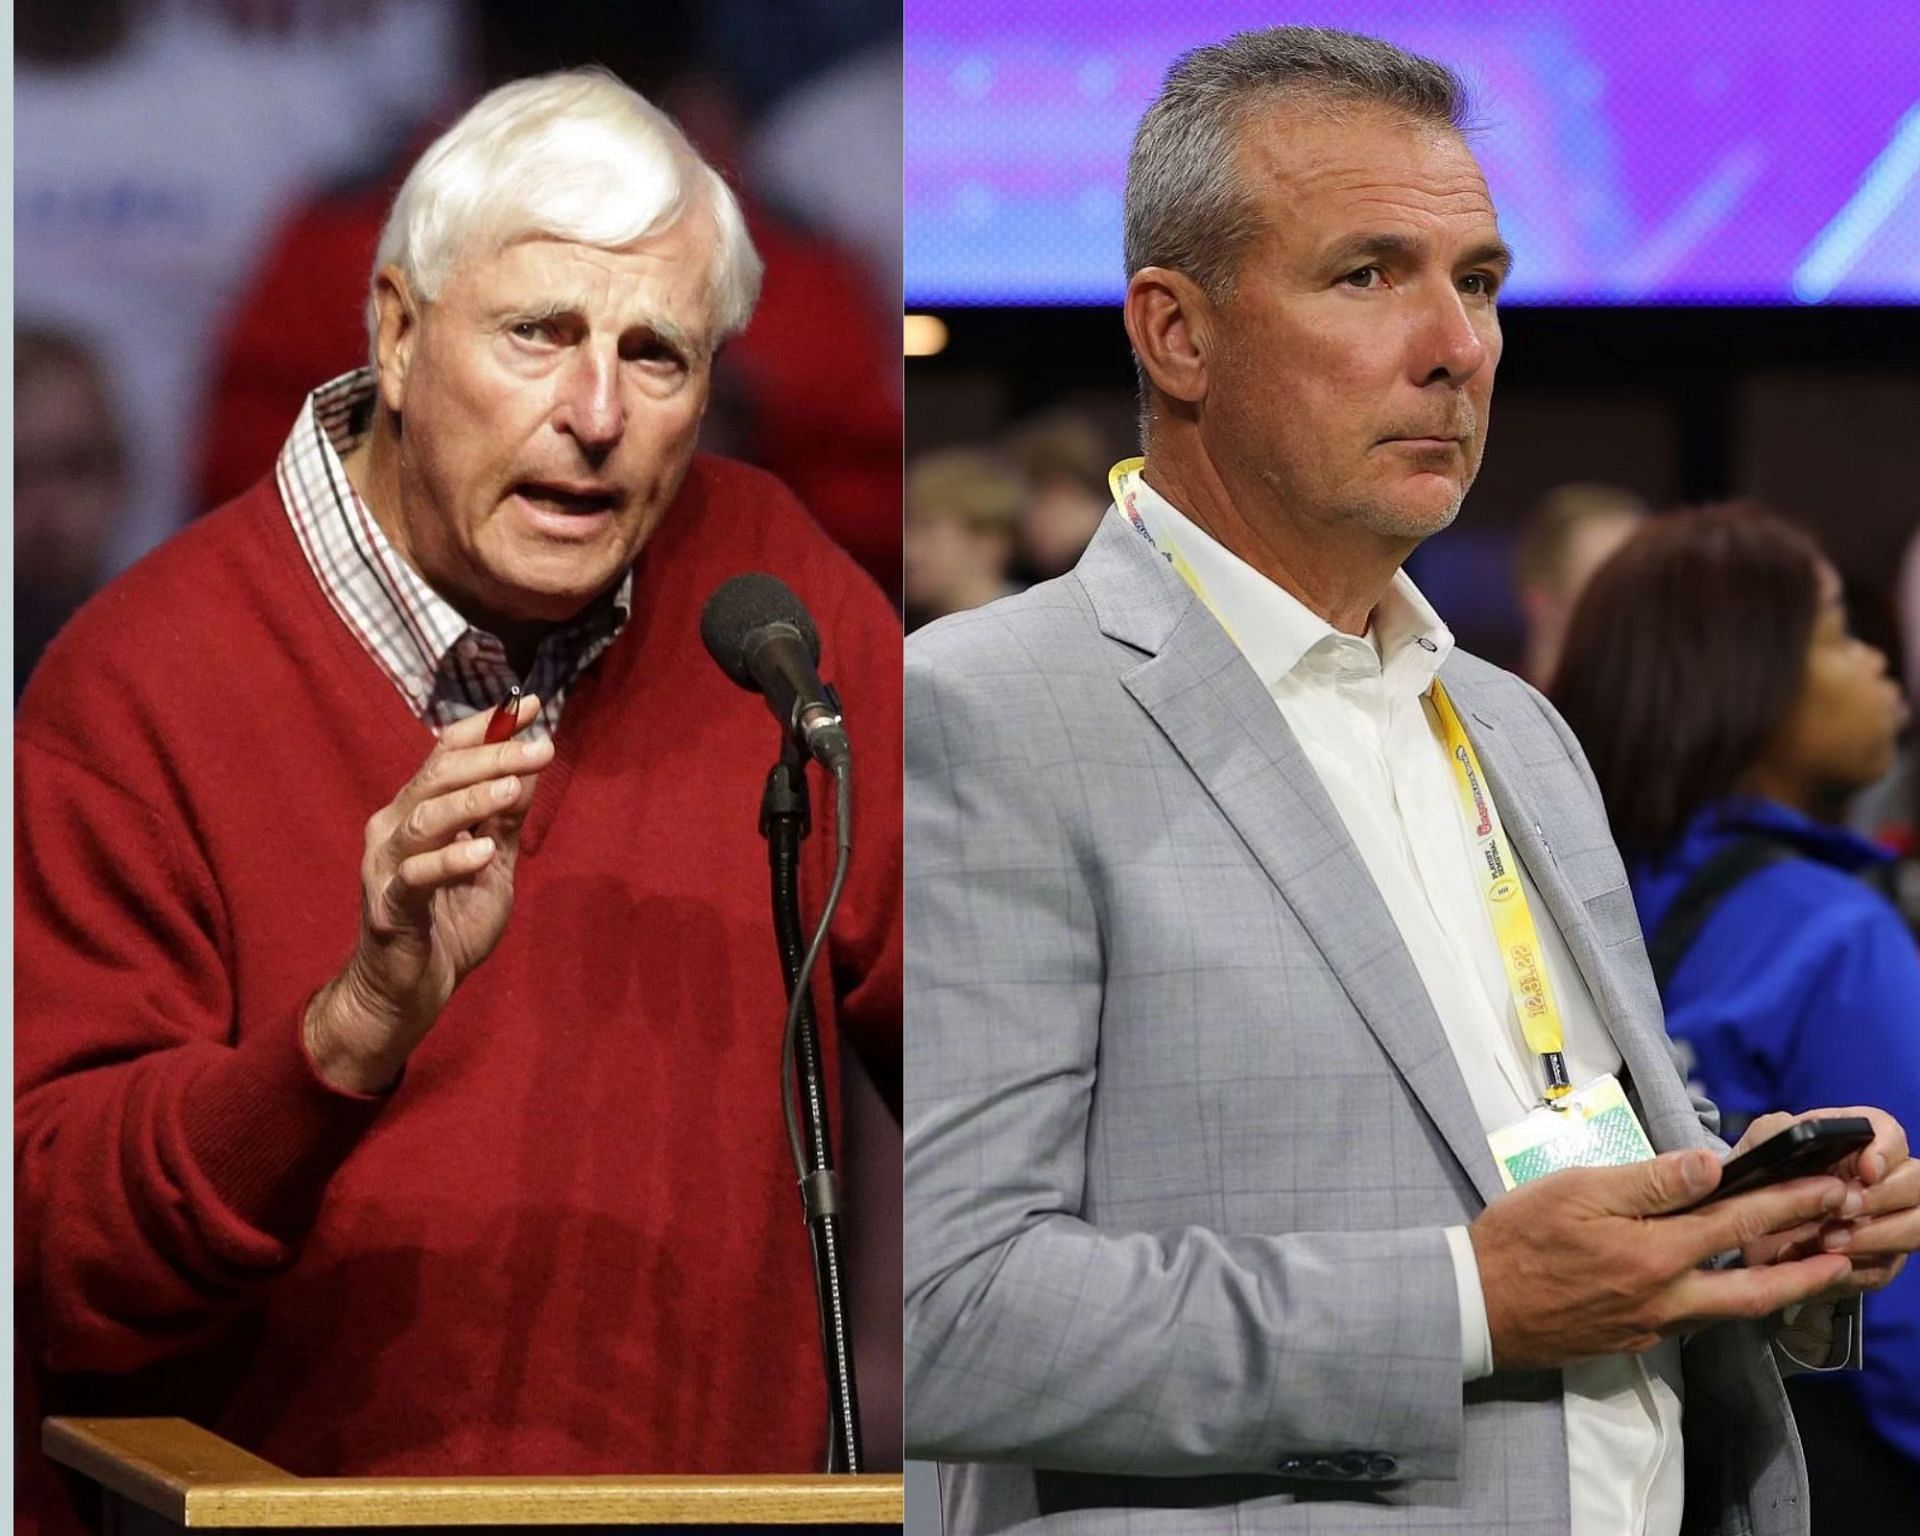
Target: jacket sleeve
(166,1162)
(1033,1335)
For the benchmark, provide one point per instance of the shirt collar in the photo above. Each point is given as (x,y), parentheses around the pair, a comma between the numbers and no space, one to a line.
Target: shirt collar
(445,667)
(1273,628)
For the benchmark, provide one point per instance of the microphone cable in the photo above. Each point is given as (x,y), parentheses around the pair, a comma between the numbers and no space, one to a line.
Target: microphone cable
(835,1324)
(790,1035)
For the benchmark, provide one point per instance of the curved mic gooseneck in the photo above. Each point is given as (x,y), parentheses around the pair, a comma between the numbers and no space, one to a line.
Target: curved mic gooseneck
(763,638)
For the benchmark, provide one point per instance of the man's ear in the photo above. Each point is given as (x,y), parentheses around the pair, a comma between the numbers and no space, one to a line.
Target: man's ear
(1174,328)
(396,335)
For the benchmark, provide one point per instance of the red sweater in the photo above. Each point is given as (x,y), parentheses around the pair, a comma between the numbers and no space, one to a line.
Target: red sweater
(569,1240)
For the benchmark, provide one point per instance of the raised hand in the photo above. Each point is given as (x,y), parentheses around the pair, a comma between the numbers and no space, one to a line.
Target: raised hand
(436,889)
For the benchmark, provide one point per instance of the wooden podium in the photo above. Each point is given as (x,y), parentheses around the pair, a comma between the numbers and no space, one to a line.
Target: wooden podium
(160,1475)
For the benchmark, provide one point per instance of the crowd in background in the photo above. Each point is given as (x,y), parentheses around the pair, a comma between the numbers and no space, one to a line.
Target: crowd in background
(982,521)
(199,186)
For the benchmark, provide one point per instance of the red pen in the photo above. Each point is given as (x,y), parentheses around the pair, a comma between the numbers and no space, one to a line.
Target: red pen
(506,719)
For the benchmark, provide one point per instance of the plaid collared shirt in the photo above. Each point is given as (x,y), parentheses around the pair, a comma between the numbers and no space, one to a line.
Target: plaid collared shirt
(444,667)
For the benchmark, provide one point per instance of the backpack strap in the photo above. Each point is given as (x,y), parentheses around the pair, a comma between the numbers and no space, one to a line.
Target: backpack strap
(1710,884)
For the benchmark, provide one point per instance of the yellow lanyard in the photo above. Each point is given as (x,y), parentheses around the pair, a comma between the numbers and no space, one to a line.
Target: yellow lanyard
(1512,917)
(1120,482)
(1506,898)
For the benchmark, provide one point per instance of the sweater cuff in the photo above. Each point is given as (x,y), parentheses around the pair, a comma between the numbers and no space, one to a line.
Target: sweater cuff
(267,1131)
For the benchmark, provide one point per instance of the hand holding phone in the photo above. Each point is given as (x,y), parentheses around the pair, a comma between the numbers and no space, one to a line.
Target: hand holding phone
(1803,1148)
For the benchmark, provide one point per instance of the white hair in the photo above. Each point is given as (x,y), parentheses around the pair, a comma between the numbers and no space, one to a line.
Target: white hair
(576,156)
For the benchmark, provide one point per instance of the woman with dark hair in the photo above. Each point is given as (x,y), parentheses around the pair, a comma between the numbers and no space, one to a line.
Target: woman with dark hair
(1728,715)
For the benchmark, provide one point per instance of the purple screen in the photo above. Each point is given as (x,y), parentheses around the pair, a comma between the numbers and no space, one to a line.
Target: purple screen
(1708,153)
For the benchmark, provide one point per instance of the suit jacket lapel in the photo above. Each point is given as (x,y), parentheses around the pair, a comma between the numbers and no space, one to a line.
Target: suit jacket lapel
(1203,694)
(1669,1116)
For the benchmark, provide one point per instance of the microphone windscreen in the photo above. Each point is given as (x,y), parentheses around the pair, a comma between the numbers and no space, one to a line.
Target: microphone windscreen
(743,604)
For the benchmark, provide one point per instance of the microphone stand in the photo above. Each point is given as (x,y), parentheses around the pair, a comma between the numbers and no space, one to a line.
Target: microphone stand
(784,821)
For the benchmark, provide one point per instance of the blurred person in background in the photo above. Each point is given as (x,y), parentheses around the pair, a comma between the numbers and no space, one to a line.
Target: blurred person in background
(963,513)
(1909,604)
(1728,714)
(1065,460)
(1568,536)
(1889,812)
(157,144)
(830,152)
(69,486)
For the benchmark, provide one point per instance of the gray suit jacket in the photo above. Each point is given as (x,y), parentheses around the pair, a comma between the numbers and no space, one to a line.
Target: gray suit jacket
(1183,1130)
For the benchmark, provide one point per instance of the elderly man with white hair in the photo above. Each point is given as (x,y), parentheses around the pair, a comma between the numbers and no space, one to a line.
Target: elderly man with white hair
(289,1163)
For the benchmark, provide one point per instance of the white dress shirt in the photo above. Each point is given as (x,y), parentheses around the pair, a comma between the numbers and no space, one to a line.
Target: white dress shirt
(1358,709)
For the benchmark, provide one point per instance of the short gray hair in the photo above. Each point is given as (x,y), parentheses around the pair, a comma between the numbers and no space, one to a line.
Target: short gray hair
(1186,206)
(577,156)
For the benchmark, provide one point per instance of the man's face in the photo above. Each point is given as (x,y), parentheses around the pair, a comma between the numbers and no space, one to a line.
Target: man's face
(1354,360)
(549,398)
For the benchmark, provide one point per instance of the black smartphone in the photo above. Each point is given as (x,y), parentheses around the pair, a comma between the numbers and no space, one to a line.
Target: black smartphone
(1806,1147)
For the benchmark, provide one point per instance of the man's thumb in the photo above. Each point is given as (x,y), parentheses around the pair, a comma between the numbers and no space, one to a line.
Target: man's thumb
(1673,1180)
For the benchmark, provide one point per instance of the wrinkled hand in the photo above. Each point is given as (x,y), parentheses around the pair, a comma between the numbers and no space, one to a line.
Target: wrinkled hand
(1573,1265)
(1877,1227)
(436,889)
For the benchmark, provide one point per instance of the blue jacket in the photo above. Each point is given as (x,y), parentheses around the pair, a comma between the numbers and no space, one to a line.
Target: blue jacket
(1801,991)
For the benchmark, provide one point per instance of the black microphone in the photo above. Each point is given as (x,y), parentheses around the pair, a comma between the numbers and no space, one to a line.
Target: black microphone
(762,637)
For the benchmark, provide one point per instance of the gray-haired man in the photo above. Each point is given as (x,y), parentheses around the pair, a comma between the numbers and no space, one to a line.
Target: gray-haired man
(1251,924)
